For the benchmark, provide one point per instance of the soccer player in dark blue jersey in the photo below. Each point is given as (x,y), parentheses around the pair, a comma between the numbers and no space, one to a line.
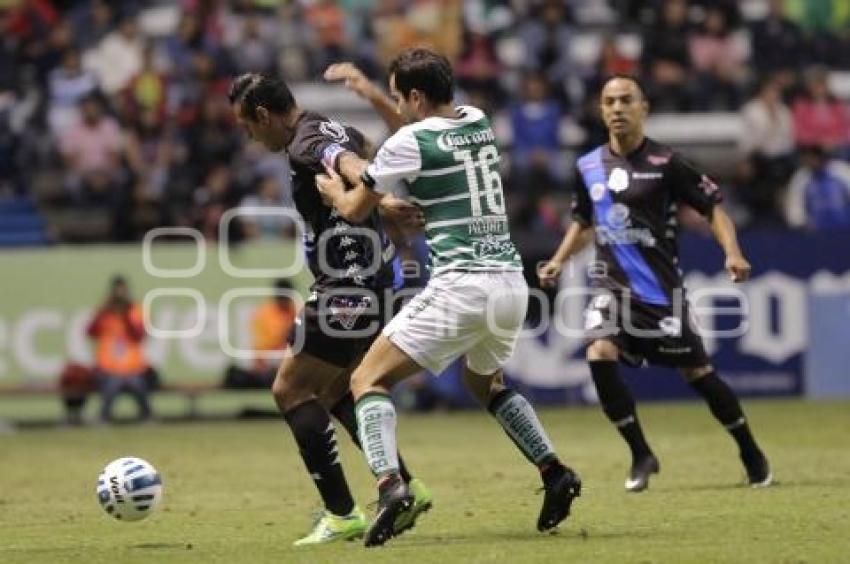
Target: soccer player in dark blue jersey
(346,300)
(627,195)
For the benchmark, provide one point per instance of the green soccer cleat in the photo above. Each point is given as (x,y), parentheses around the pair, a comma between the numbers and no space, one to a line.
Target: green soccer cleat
(330,528)
(422,501)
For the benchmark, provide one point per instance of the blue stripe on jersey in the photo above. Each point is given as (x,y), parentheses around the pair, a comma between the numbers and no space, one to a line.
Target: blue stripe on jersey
(398,275)
(642,279)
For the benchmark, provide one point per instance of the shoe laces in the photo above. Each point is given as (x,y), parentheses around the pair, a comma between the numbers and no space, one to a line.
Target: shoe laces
(316,516)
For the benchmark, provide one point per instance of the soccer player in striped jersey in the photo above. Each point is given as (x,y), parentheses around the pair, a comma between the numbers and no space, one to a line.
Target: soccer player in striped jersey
(475,303)
(627,194)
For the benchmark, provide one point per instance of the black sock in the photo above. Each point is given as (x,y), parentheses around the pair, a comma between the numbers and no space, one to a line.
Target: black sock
(726,408)
(344,413)
(619,405)
(316,440)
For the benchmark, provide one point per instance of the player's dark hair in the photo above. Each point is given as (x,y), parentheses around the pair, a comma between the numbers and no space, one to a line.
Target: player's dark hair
(426,71)
(637,82)
(253,90)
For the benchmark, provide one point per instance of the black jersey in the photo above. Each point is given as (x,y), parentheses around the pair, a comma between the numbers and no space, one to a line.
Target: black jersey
(350,256)
(631,202)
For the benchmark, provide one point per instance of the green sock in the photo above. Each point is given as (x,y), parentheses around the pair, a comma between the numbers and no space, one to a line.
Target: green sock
(376,421)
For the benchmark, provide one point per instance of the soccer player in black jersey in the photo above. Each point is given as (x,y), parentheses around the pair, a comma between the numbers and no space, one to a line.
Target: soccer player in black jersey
(627,195)
(346,296)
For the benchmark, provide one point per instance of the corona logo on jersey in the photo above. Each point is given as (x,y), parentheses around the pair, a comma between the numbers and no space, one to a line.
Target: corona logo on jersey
(452,140)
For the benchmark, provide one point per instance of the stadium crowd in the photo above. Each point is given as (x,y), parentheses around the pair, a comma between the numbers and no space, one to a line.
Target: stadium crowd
(114,119)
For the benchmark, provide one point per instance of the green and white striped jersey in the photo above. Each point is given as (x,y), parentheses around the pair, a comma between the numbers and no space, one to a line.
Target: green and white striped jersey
(450,167)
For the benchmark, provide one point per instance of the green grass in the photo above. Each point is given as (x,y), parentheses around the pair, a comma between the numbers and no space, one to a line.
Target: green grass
(237,492)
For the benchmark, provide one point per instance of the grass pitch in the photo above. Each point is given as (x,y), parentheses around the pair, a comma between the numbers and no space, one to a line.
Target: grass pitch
(237,492)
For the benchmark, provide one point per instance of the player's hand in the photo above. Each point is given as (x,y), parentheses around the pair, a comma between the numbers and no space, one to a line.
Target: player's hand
(352,77)
(549,273)
(329,185)
(403,213)
(738,268)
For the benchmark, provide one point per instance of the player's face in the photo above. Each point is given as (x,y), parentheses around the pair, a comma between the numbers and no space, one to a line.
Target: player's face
(265,129)
(623,107)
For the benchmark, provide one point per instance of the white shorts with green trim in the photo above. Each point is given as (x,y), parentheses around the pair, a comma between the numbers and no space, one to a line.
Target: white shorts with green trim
(477,314)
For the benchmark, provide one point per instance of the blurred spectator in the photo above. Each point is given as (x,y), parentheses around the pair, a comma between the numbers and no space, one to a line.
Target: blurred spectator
(291,42)
(149,151)
(777,42)
(67,85)
(271,324)
(612,61)
(211,139)
(326,19)
(666,58)
(118,331)
(254,52)
(537,167)
(268,197)
(718,58)
(535,123)
(478,69)
(212,199)
(767,145)
(118,57)
(819,193)
(194,90)
(30,22)
(180,47)
(92,151)
(820,118)
(147,90)
(92,22)
(547,40)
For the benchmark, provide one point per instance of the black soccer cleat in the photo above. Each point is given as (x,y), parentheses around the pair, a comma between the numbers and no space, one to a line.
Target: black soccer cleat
(394,498)
(758,472)
(638,479)
(558,499)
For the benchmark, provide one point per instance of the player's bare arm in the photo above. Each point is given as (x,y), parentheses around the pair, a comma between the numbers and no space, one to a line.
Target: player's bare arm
(354,79)
(355,204)
(724,231)
(404,214)
(577,238)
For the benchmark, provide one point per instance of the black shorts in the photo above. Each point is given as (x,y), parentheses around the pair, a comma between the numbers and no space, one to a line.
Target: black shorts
(656,334)
(338,328)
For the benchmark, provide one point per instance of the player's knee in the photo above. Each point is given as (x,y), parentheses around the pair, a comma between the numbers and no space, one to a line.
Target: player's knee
(483,387)
(602,350)
(694,373)
(288,392)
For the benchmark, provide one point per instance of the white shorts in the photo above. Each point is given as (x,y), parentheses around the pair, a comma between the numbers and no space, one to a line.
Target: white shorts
(479,314)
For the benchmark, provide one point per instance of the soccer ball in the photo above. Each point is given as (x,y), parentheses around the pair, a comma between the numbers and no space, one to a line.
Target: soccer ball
(129,488)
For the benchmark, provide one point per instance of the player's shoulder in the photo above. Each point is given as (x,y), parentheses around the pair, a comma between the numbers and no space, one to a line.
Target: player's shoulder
(404,137)
(315,131)
(659,154)
(313,123)
(591,159)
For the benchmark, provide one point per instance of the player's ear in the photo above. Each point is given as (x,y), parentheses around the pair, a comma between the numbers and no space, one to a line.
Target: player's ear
(263,115)
(415,98)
